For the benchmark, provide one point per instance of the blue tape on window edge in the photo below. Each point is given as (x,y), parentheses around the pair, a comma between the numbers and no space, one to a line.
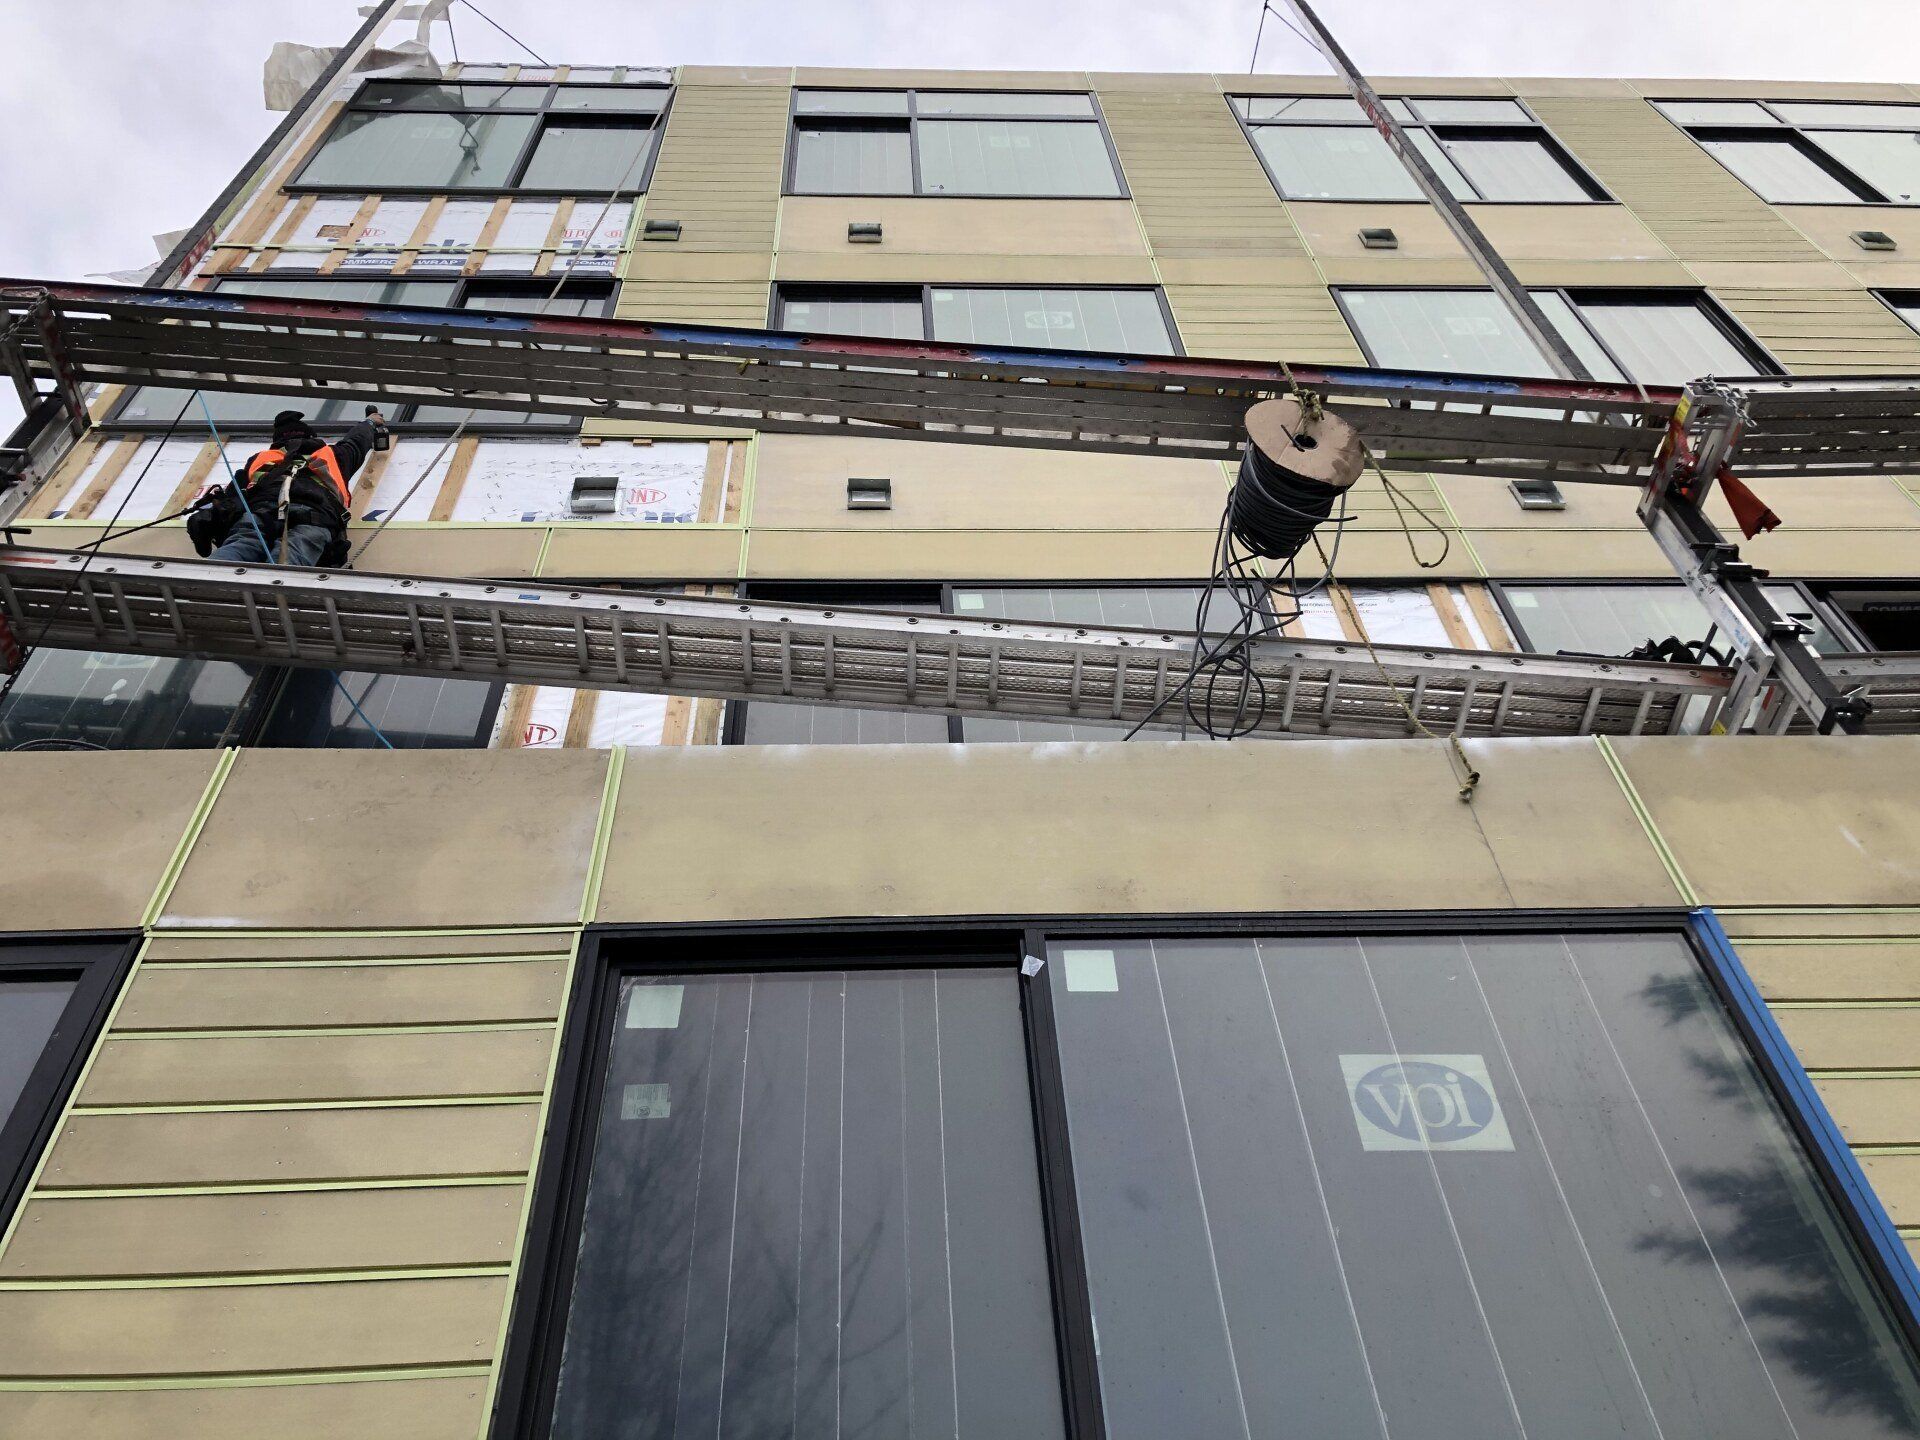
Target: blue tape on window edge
(1833,1155)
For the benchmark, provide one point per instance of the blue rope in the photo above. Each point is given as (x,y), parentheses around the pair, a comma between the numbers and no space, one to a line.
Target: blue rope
(233,479)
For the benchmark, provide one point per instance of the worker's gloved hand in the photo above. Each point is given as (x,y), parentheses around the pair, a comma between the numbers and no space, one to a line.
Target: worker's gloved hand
(381,438)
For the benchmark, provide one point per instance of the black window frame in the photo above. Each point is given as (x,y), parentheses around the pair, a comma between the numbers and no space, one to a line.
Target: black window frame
(1677,296)
(545,113)
(98,962)
(538,1311)
(783,291)
(459,289)
(1793,133)
(909,123)
(1439,131)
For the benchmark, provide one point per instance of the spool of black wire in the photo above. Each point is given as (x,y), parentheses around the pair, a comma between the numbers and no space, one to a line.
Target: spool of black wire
(1293,472)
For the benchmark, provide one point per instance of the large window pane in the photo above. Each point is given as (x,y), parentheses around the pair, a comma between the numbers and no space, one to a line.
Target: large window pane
(29,1010)
(1514,169)
(813,1210)
(413,712)
(769,722)
(1888,160)
(1846,115)
(591,158)
(1617,619)
(81,699)
(1453,1187)
(850,102)
(1480,112)
(852,160)
(407,95)
(1779,172)
(1129,321)
(1665,344)
(1333,162)
(650,98)
(1467,332)
(887,317)
(425,151)
(1014,157)
(984,102)
(1716,112)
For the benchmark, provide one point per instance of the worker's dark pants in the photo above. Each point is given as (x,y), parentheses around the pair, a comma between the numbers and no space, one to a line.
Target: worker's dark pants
(305,544)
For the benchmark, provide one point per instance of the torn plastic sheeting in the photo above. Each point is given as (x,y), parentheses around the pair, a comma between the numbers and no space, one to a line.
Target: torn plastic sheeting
(147,501)
(532,481)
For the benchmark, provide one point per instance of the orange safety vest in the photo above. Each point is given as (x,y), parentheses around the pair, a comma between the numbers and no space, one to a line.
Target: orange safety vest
(324,457)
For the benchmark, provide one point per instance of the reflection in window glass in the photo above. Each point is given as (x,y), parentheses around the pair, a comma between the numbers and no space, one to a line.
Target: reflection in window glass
(852,160)
(591,158)
(813,1210)
(1513,169)
(1467,112)
(1716,112)
(81,699)
(1467,332)
(770,722)
(885,316)
(610,97)
(1665,344)
(851,102)
(1557,1144)
(1128,321)
(379,149)
(1617,619)
(1014,157)
(1333,162)
(29,1011)
(1778,171)
(1888,160)
(986,102)
(408,95)
(1844,114)
(413,712)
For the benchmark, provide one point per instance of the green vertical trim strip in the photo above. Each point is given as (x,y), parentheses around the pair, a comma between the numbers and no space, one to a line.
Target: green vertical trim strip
(602,836)
(1660,847)
(749,495)
(195,824)
(519,1251)
(1466,540)
(540,556)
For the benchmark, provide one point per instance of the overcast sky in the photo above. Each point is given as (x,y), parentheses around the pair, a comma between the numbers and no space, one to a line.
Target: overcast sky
(124,118)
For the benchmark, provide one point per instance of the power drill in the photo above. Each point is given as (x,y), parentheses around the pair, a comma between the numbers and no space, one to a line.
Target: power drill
(382,437)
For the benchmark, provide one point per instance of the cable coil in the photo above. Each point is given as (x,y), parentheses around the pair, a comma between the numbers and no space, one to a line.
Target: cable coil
(1298,466)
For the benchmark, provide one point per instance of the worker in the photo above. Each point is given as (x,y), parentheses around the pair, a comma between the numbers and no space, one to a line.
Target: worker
(298,491)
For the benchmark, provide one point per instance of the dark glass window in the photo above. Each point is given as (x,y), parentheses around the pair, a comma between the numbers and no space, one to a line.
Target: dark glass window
(1618,619)
(1887,619)
(1112,319)
(1810,152)
(1325,148)
(30,1008)
(95,700)
(1453,1187)
(414,712)
(403,135)
(813,1209)
(872,142)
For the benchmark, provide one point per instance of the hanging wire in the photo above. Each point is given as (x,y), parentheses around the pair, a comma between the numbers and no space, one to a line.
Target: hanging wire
(504,31)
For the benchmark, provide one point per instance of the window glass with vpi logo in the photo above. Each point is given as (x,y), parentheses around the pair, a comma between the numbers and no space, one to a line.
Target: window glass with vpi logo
(1452,1187)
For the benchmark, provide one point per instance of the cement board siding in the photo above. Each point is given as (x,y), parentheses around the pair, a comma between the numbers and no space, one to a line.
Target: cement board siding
(1838,331)
(718,172)
(1684,195)
(451,1408)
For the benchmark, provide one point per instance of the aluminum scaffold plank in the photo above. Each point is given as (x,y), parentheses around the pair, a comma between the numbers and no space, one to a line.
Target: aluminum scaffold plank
(740,650)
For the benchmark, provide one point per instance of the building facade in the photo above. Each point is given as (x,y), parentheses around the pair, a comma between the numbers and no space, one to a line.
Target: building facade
(434,1058)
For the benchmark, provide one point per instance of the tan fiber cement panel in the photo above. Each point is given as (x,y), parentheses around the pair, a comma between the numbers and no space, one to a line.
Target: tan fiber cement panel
(1074,828)
(675,552)
(164,997)
(90,834)
(1849,1038)
(1896,1180)
(1787,820)
(387,839)
(229,1330)
(443,1409)
(1834,972)
(396,947)
(1874,1112)
(229,1069)
(294,1233)
(256,1147)
(939,226)
(1038,555)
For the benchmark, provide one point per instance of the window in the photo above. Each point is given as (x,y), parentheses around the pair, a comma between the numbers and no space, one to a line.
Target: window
(1883,618)
(308,711)
(54,995)
(569,139)
(1128,321)
(1557,1143)
(921,142)
(1319,147)
(1810,152)
(1189,1181)
(811,1207)
(1655,337)
(153,406)
(1618,619)
(91,700)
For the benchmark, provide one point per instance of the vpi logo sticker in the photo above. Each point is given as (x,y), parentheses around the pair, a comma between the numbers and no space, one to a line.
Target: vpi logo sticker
(1424,1102)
